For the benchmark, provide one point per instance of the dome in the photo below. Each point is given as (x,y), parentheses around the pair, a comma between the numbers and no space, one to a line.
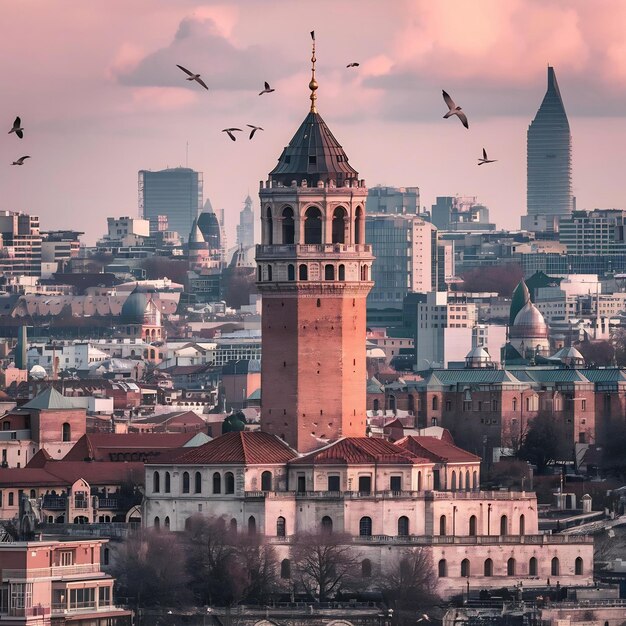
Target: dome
(37,372)
(134,307)
(478,357)
(520,297)
(529,323)
(569,356)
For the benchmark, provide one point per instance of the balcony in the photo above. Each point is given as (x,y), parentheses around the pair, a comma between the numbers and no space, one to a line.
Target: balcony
(82,607)
(56,571)
(312,251)
(31,611)
(108,503)
(54,503)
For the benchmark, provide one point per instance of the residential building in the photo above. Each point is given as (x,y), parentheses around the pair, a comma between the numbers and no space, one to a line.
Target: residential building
(20,244)
(393,200)
(59,246)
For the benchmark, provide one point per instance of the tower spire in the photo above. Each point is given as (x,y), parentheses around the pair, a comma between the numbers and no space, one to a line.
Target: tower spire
(313,83)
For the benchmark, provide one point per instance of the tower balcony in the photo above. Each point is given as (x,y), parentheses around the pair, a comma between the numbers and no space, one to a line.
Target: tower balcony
(312,251)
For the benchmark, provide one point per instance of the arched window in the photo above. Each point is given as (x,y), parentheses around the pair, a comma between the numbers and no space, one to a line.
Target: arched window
(442,525)
(329,272)
(327,525)
(376,404)
(555,569)
(468,485)
(435,403)
(342,272)
(285,569)
(67,432)
(185,482)
(453,481)
(365,527)
(303,272)
(391,400)
(419,481)
(510,567)
(269,272)
(288,226)
(280,527)
(217,482)
(156,482)
(166,523)
(442,568)
(33,494)
(578,566)
(339,225)
(363,272)
(472,526)
(168,482)
(532,566)
(522,525)
(488,568)
(465,568)
(475,480)
(358,226)
(366,568)
(266,481)
(504,525)
(157,522)
(233,526)
(269,227)
(515,404)
(403,526)
(313,226)
(291,272)
(198,483)
(251,525)
(259,273)
(229,482)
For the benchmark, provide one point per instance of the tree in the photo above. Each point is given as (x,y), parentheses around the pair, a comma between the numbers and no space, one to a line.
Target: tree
(618,340)
(597,353)
(235,422)
(324,563)
(255,567)
(150,568)
(500,278)
(544,443)
(164,267)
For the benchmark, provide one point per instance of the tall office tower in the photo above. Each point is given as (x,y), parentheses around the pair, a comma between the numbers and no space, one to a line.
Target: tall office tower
(549,162)
(175,193)
(20,244)
(245,229)
(313,270)
(396,200)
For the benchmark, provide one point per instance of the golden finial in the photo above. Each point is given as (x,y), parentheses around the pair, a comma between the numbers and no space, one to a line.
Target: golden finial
(313,83)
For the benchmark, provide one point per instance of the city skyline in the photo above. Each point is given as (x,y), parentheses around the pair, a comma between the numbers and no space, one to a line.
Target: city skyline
(121,104)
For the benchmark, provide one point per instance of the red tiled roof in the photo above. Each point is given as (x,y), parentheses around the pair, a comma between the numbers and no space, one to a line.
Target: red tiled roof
(29,477)
(360,450)
(437,450)
(250,447)
(39,459)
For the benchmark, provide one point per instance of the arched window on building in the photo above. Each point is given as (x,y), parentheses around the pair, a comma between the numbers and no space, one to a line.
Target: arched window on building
(288,226)
(472,526)
(435,403)
(403,526)
(510,567)
(453,481)
(168,482)
(166,523)
(233,526)
(198,483)
(303,272)
(285,569)
(251,525)
(67,431)
(555,569)
(442,568)
(327,524)
(504,525)
(468,484)
(156,482)
(266,481)
(269,227)
(329,272)
(532,566)
(522,525)
(578,566)
(185,482)
(157,522)
(442,525)
(488,568)
(313,226)
(365,527)
(419,480)
(269,273)
(358,226)
(376,406)
(291,272)
(280,527)
(342,272)
(217,482)
(229,482)
(465,568)
(475,480)
(339,225)
(366,568)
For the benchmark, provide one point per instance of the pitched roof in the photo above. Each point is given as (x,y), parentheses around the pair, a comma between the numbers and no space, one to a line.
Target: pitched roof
(40,459)
(360,450)
(437,450)
(189,417)
(249,447)
(49,399)
(476,376)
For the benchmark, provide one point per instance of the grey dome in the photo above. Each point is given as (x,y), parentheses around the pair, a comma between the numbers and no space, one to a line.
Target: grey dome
(134,308)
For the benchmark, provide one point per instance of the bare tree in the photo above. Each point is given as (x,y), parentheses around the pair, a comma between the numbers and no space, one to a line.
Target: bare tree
(255,568)
(324,563)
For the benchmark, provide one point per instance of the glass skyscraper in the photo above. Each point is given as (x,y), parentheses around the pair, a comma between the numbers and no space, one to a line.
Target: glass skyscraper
(549,156)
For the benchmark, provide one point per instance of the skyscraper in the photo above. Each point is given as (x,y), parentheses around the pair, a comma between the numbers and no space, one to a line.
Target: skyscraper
(549,161)
(176,193)
(245,228)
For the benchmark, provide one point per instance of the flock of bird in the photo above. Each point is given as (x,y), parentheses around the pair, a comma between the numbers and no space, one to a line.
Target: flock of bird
(19,131)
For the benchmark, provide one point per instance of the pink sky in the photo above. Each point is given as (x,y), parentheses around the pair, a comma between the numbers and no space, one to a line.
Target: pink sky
(96,85)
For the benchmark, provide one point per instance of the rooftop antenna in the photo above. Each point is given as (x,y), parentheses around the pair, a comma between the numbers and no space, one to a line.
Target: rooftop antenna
(313,83)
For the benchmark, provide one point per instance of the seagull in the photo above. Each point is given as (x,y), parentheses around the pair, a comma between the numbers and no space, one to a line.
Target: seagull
(21,160)
(193,76)
(254,129)
(485,159)
(424,618)
(17,128)
(454,109)
(352,65)
(267,89)
(230,132)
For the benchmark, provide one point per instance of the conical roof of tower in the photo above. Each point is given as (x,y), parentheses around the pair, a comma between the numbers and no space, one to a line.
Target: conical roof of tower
(208,207)
(196,239)
(313,155)
(521,296)
(552,110)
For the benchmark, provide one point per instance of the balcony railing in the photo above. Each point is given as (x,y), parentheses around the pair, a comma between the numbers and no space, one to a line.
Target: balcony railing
(108,503)
(56,571)
(356,495)
(31,611)
(54,503)
(311,250)
(82,607)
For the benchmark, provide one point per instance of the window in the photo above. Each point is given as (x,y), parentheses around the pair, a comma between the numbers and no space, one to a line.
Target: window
(504,525)
(510,567)
(291,272)
(251,525)
(584,404)
(358,227)
(532,566)
(198,483)
(453,481)
(327,524)
(217,482)
(342,272)
(280,527)
(472,526)
(515,404)
(366,568)
(83,598)
(442,568)
(303,273)
(334,483)
(365,527)
(435,403)
(269,228)
(403,526)
(233,526)
(554,567)
(229,482)
(167,482)
(488,568)
(442,525)
(522,525)
(313,226)
(67,431)
(288,226)
(578,566)
(157,522)
(166,523)
(395,483)
(11,496)
(465,568)
(339,225)
(269,272)
(104,596)
(285,569)
(329,272)
(365,484)
(185,482)
(66,557)
(266,481)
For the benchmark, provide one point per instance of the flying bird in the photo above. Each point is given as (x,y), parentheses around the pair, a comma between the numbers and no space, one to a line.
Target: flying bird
(454,109)
(21,160)
(313,35)
(230,132)
(424,618)
(267,89)
(353,65)
(17,128)
(485,159)
(254,129)
(193,76)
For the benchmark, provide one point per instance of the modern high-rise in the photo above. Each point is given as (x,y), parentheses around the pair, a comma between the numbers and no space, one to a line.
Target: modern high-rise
(175,192)
(549,161)
(598,232)
(20,244)
(245,228)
